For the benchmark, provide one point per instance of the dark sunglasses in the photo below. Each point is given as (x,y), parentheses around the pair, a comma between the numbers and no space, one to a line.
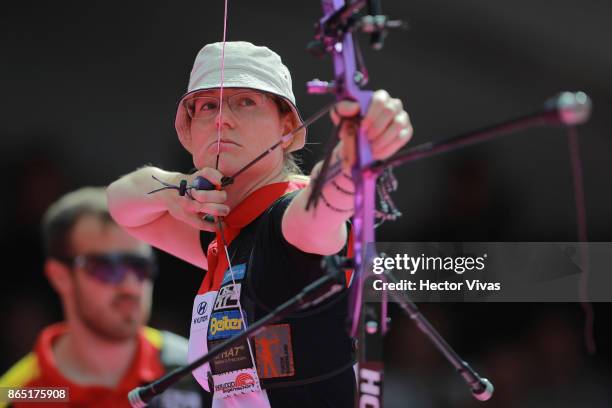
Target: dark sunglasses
(113,267)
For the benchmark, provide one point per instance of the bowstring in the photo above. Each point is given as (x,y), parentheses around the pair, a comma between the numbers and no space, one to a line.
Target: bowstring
(220,219)
(220,123)
(220,119)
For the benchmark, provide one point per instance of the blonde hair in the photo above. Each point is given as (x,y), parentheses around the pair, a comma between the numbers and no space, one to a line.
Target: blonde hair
(290,161)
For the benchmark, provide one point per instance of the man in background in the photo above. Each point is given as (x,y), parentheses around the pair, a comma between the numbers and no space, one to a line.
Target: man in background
(102,349)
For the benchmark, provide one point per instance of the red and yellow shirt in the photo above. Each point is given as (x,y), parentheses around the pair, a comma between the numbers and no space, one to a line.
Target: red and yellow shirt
(39,369)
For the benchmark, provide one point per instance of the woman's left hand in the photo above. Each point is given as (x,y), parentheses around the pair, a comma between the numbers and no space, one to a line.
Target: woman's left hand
(386,124)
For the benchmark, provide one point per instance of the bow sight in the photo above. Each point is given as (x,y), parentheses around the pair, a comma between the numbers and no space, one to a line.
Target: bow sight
(331,29)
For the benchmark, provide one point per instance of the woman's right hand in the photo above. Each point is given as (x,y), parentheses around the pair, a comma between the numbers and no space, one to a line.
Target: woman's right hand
(204,202)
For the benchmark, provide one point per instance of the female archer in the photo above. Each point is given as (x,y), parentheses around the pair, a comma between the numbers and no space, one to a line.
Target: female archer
(255,238)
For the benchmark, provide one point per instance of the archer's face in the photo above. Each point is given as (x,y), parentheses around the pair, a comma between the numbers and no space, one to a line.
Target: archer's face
(248,125)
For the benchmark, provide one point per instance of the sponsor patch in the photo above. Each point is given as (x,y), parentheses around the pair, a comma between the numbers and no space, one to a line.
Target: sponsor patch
(201,313)
(233,358)
(238,273)
(224,324)
(274,352)
(200,316)
(241,382)
(228,297)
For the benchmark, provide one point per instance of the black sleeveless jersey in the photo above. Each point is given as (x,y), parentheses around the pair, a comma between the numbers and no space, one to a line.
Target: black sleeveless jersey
(307,357)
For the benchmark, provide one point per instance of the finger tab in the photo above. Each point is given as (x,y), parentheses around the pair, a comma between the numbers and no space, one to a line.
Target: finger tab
(200,183)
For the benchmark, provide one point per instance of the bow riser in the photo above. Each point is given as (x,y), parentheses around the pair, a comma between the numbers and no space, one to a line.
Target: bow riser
(335,36)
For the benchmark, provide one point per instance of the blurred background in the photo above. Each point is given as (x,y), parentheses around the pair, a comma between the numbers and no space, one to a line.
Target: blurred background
(89,92)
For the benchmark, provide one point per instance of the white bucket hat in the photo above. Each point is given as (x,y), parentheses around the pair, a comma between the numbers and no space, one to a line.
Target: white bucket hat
(245,66)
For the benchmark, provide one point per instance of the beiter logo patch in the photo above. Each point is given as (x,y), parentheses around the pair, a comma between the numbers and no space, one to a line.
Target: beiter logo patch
(225,324)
